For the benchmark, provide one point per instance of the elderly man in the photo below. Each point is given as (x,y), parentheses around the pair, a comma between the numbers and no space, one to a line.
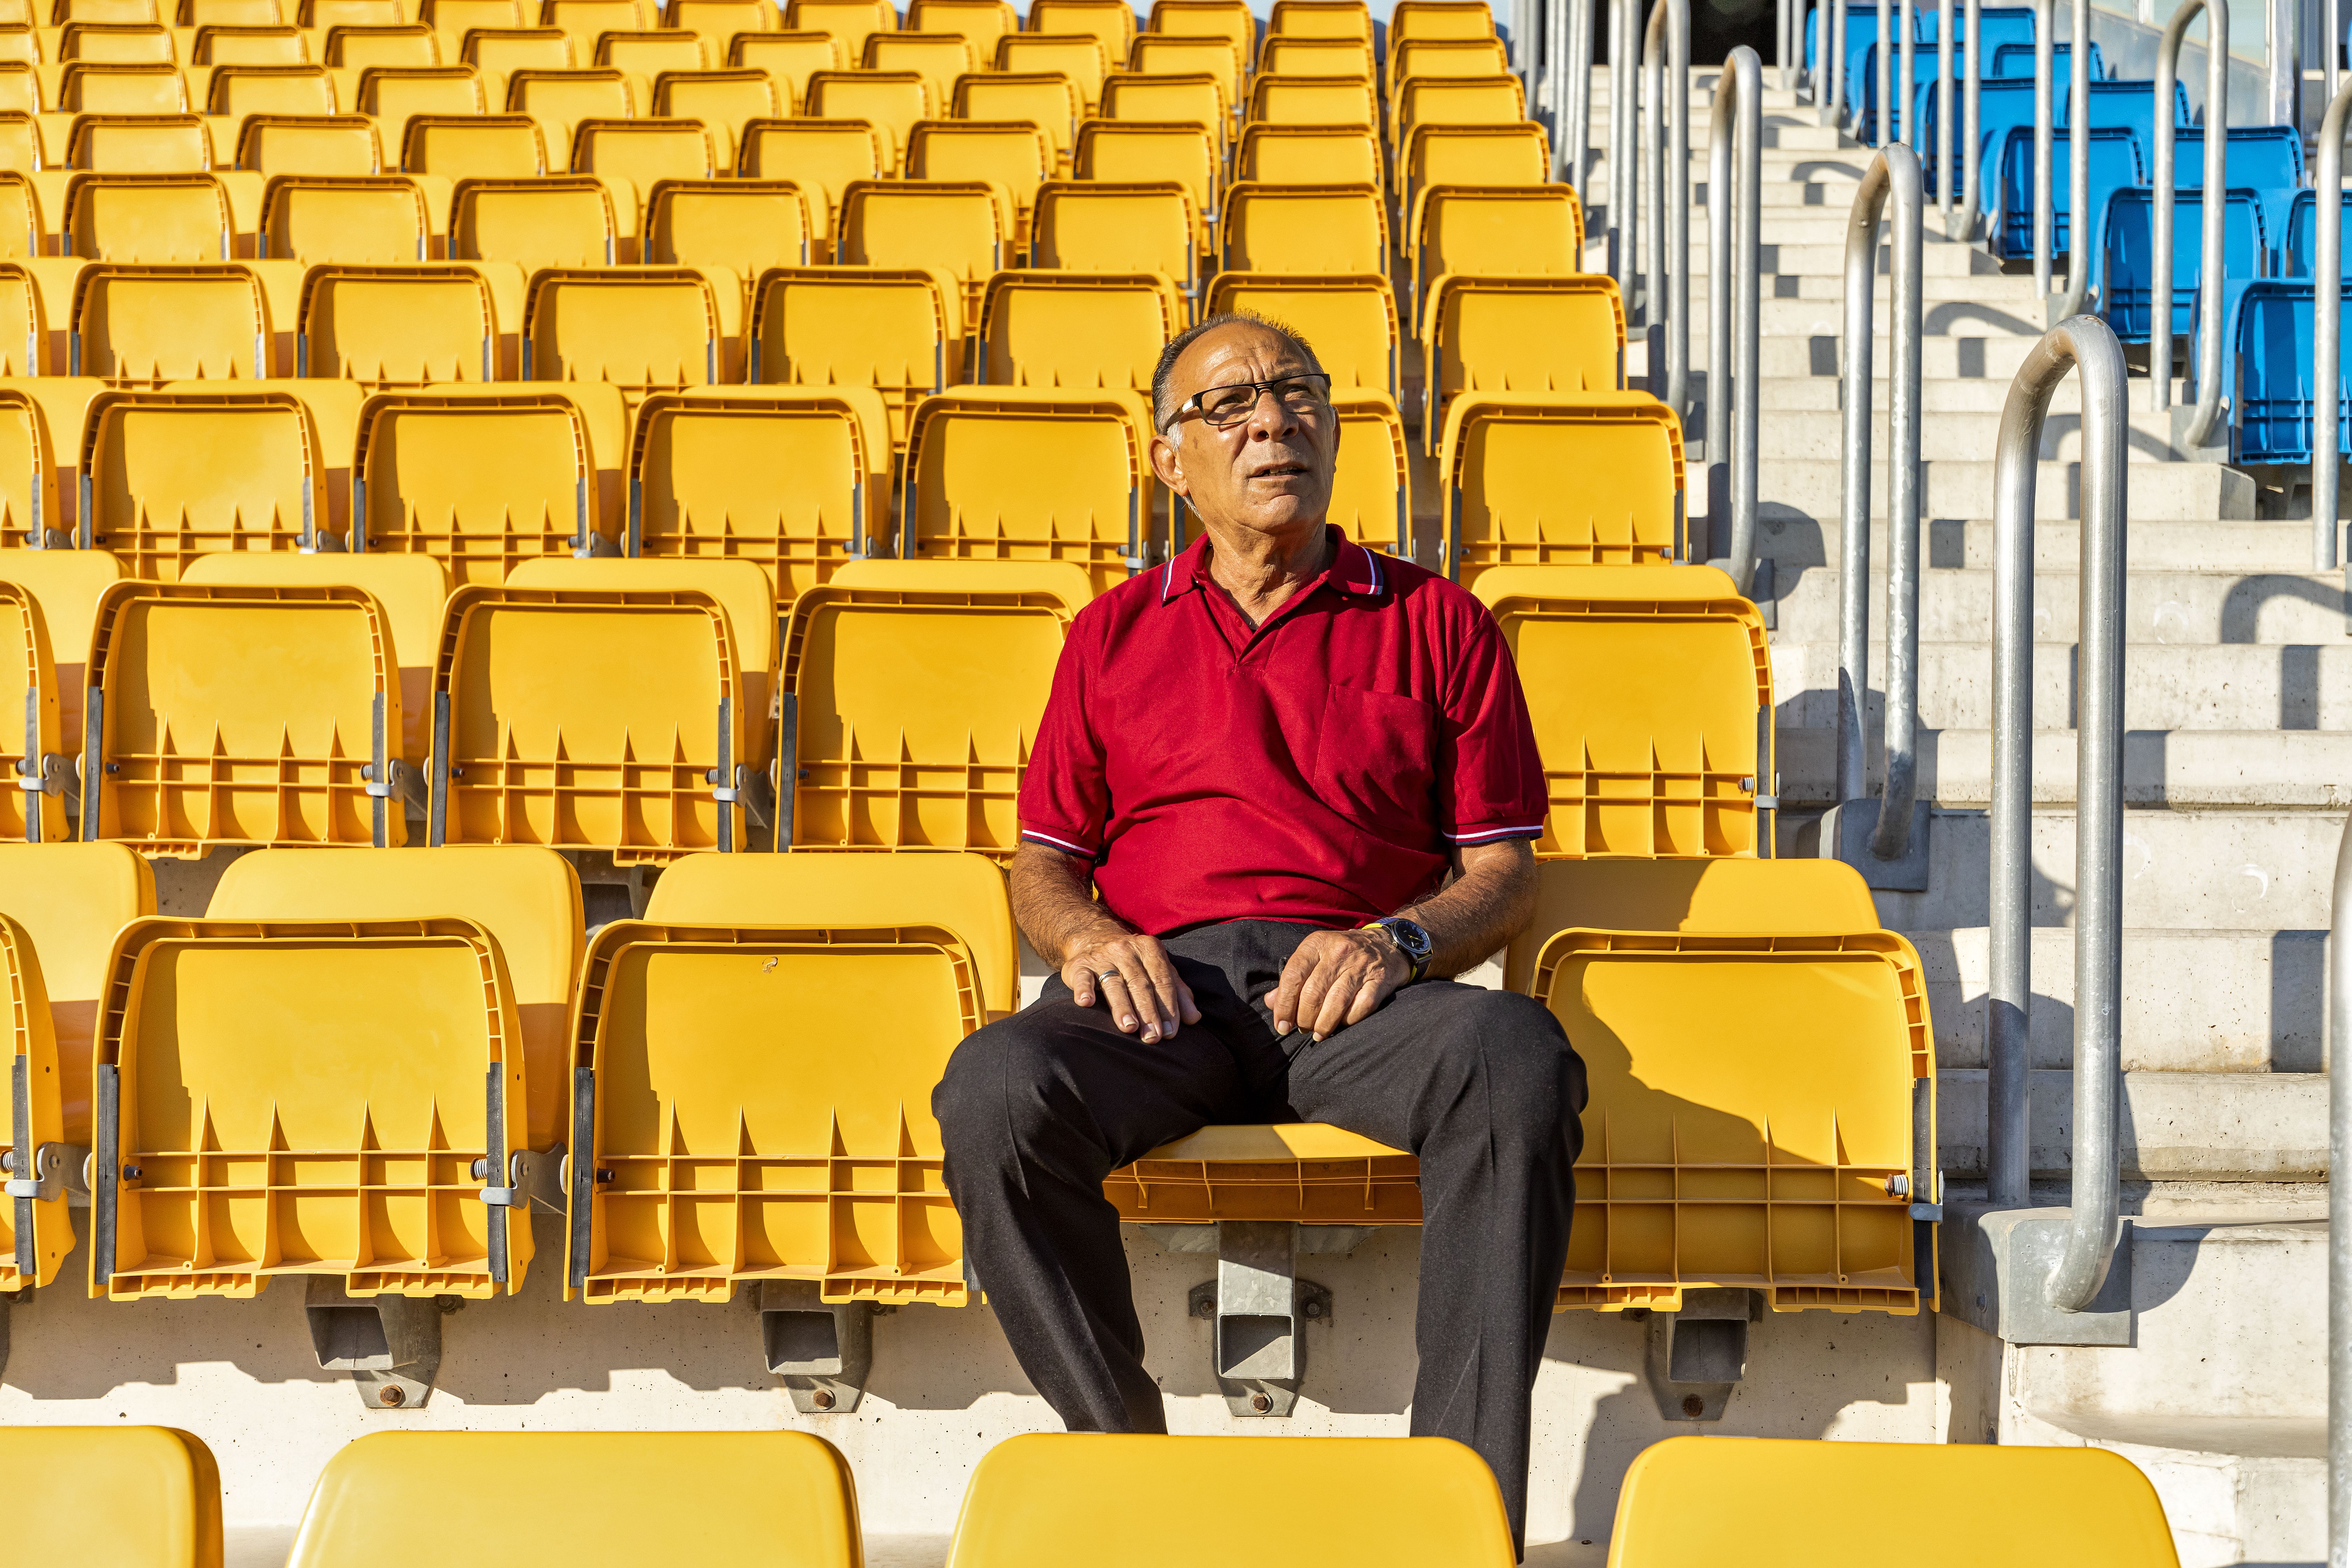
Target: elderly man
(1264,759)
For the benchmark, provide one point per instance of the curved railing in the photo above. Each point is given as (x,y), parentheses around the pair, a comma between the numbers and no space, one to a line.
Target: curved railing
(1667,314)
(2078,160)
(1734,308)
(2215,202)
(2326,316)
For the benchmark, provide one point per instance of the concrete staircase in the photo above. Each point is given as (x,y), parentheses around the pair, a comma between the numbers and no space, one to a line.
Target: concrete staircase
(2238,773)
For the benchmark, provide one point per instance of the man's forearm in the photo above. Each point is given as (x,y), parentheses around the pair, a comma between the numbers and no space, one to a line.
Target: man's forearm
(1478,913)
(1052,904)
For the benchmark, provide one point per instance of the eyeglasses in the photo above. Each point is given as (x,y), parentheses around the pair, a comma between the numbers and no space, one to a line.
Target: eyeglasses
(1223,407)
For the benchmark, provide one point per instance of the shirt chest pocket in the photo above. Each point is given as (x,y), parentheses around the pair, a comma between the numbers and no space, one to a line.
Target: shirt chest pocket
(1376,758)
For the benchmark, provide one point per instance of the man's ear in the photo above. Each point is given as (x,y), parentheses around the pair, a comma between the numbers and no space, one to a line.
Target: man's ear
(1168,463)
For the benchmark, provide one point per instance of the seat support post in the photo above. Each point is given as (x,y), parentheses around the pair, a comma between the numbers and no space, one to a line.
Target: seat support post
(389,1344)
(823,1350)
(1697,1356)
(1256,1305)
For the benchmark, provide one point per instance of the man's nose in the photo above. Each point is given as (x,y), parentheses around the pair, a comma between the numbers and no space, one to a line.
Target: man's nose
(1270,417)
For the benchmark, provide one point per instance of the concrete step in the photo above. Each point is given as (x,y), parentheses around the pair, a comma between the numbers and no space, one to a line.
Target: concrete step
(2243,545)
(1956,488)
(2175,1127)
(2230,769)
(2199,687)
(2004,317)
(2194,1000)
(1938,395)
(1952,434)
(2195,608)
(1954,353)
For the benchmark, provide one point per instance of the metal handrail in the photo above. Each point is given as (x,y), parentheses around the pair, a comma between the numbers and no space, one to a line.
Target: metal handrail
(2086,343)
(2216,206)
(1833,30)
(1971,130)
(2326,316)
(2078,160)
(1885,74)
(1624,158)
(2340,1208)
(1668,314)
(1555,76)
(1906,52)
(1732,387)
(1573,146)
(1944,147)
(1784,15)
(1895,172)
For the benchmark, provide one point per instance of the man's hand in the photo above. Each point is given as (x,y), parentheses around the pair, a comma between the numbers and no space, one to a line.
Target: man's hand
(1135,979)
(1336,978)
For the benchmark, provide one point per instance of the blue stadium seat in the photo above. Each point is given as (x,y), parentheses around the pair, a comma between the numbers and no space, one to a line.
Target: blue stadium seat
(2001,107)
(1923,84)
(2001,25)
(2271,341)
(2260,157)
(2126,274)
(2130,104)
(2017,59)
(2117,159)
(1861,32)
(2300,240)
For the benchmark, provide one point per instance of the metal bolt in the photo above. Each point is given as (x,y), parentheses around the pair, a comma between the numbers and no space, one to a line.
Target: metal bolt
(1313,1308)
(1261,1404)
(456,773)
(1693,1405)
(1898,1187)
(131,1173)
(392,1396)
(822,1399)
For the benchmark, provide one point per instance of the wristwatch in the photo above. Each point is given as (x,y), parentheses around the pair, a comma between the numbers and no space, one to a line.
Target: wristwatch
(1411,939)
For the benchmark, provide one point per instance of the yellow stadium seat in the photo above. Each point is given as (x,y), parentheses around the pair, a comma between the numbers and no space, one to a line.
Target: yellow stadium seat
(1056,1499)
(1320,19)
(480,480)
(1482,57)
(744,225)
(119,88)
(23,328)
(1080,56)
(1290,55)
(1094,225)
(19,41)
(498,52)
(1135,151)
(1498,231)
(897,332)
(249,45)
(169,476)
(1661,760)
(370,1067)
(137,325)
(1313,101)
(393,94)
(946,227)
(980,22)
(891,101)
(918,698)
(641,329)
(411,588)
(789,59)
(1047,100)
(29,513)
(720,20)
(234,714)
(140,144)
(638,1490)
(559,221)
(148,218)
(355,49)
(1111,21)
(399,326)
(117,43)
(452,19)
(586,20)
(1454,100)
(309,144)
(642,151)
(1685,1501)
(1371,491)
(1350,321)
(646,53)
(238,90)
(1303,228)
(1518,334)
(1471,156)
(32,750)
(1229,19)
(1441,20)
(143,1497)
(823,157)
(64,586)
(851,21)
(202,15)
(1081,331)
(1501,458)
(937,57)
(356,220)
(20,91)
(1308,155)
(724,101)
(561,100)
(1007,474)
(611,719)
(795,479)
(70,899)
(473,146)
(322,14)
(1170,61)
(20,142)
(1016,156)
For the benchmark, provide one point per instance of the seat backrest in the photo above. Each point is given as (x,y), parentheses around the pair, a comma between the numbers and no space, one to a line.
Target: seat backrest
(559,221)
(309,144)
(896,331)
(1012,156)
(640,329)
(723,100)
(1081,56)
(937,57)
(794,478)
(405,326)
(1110,21)
(140,144)
(143,1497)
(1321,20)
(1415,57)
(1371,485)
(500,52)
(1724,894)
(24,352)
(394,93)
(646,53)
(322,14)
(1475,156)
(124,87)
(1284,54)
(240,90)
(823,157)
(1303,228)
(1058,1500)
(29,513)
(255,43)
(370,219)
(591,719)
(1093,225)
(1313,101)
(477,480)
(721,19)
(473,146)
(1004,474)
(1229,19)
(28,727)
(978,22)
(148,218)
(2300,250)
(949,225)
(561,100)
(167,476)
(1149,151)
(65,584)
(1308,155)
(1456,100)
(1501,459)
(1220,58)
(401,43)
(144,326)
(790,59)
(1351,320)
(1078,330)
(890,102)
(638,1490)
(644,151)
(1048,99)
(744,225)
(1521,334)
(1686,1502)
(2129,104)
(896,685)
(850,21)
(2276,371)
(70,899)
(1496,231)
(241,715)
(1660,759)
(2261,157)
(126,42)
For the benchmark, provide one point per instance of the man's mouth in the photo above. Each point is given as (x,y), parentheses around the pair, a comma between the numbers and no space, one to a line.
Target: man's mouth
(1278,470)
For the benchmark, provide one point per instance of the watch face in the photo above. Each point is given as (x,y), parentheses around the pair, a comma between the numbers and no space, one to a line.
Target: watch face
(1410,938)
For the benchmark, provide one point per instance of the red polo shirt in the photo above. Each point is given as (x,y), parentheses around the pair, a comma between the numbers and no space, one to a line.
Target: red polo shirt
(1316,770)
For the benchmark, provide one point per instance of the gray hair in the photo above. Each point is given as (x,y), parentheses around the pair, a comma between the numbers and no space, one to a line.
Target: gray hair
(1163,408)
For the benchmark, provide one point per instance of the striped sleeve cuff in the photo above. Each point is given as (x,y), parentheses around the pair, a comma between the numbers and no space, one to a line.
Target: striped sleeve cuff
(1488,835)
(1064,845)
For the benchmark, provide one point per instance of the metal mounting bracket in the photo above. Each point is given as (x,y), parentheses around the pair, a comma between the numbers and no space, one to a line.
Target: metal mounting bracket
(1697,1356)
(823,1350)
(1997,1266)
(1844,834)
(389,1344)
(1257,1307)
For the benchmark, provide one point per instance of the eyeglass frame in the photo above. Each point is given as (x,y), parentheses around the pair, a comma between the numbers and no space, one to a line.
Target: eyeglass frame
(1262,388)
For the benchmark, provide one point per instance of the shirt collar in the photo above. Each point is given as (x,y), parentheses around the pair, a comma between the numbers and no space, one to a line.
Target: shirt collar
(1354,570)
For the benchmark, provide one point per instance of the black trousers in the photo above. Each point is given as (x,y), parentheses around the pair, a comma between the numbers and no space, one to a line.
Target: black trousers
(1037,1109)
